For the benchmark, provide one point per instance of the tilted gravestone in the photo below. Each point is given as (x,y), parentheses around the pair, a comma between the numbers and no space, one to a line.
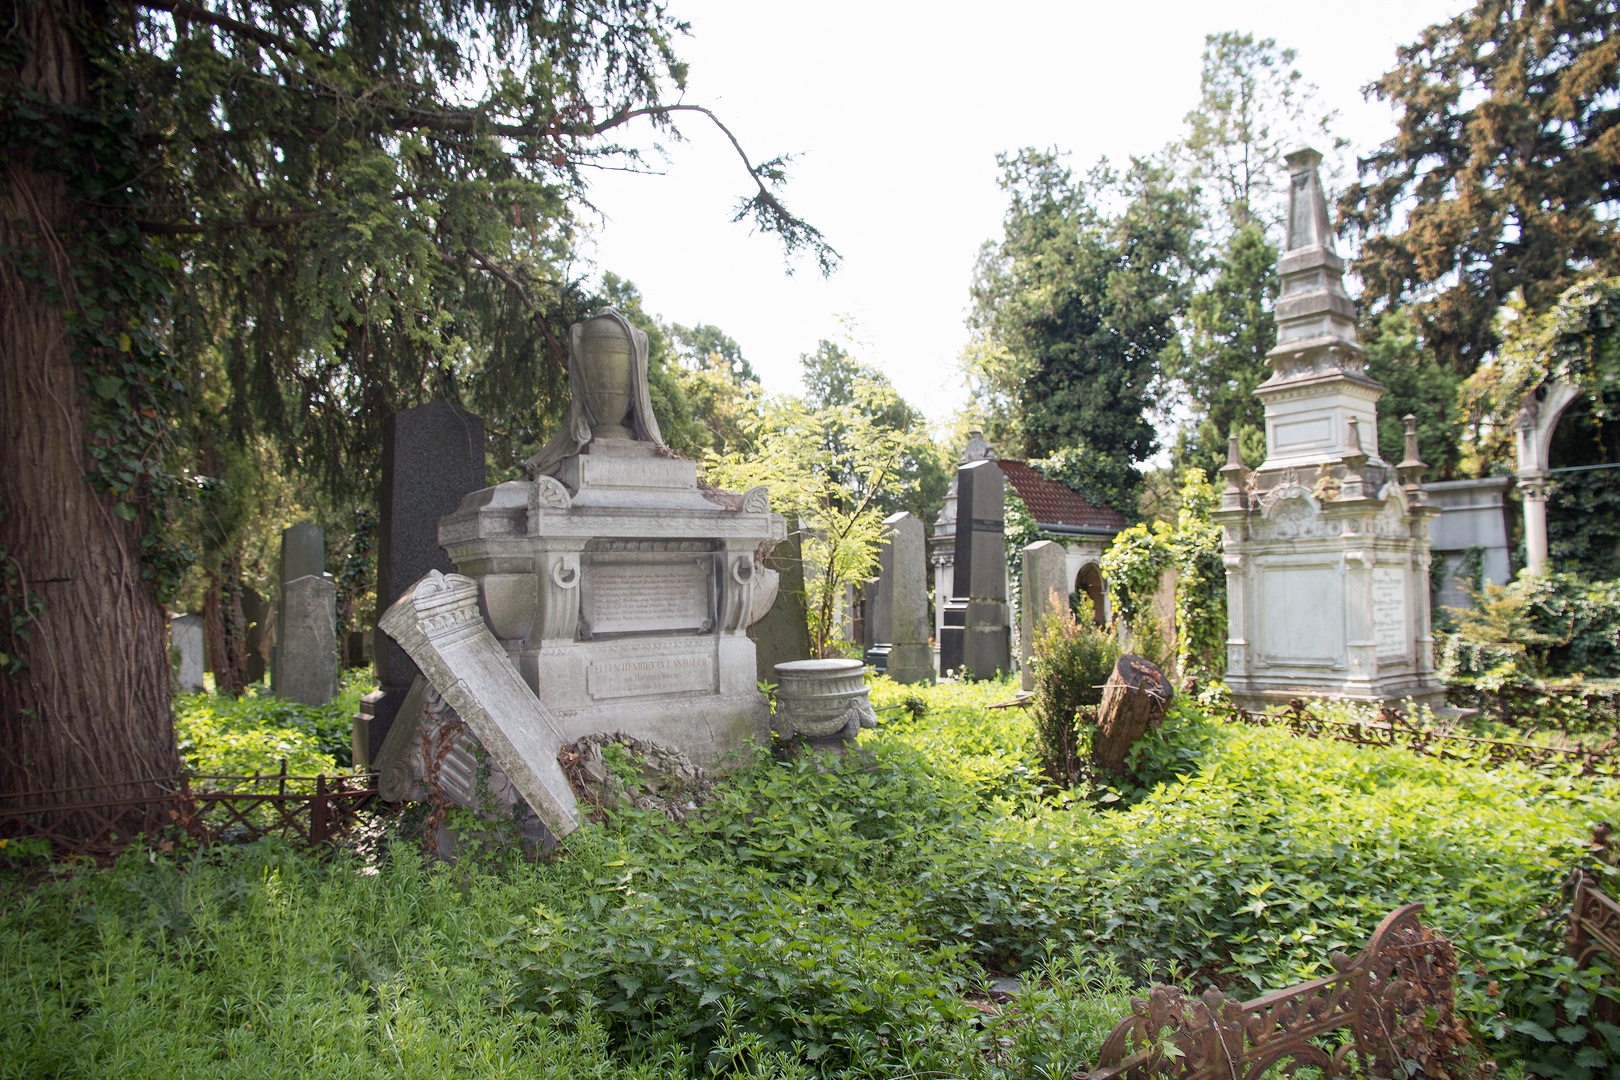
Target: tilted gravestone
(975,638)
(433,455)
(897,613)
(306,655)
(1045,590)
(186,652)
(782,634)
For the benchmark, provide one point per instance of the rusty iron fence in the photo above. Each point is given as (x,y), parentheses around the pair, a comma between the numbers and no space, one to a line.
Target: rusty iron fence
(104,819)
(1572,710)
(1390,1005)
(1394,728)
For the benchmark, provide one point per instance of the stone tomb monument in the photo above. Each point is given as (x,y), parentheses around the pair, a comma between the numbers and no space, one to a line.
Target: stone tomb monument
(1326,544)
(897,610)
(975,635)
(305,658)
(618,588)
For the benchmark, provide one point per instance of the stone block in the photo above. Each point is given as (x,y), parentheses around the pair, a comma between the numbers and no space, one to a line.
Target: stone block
(980,575)
(307,652)
(1045,590)
(433,456)
(186,652)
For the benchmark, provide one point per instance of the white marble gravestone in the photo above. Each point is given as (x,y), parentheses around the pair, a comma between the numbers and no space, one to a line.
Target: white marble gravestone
(619,588)
(1326,543)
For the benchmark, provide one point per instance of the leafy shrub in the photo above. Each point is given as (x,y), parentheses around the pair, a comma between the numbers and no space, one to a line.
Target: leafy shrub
(1566,625)
(220,735)
(1137,558)
(1073,659)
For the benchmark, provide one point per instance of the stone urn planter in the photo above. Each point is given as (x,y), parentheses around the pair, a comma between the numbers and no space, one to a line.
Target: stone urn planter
(822,699)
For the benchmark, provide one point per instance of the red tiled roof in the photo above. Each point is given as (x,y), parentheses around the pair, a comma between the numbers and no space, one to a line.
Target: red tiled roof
(1053,503)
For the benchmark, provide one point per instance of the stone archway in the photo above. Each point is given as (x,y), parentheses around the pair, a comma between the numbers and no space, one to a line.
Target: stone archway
(1089,583)
(1532,436)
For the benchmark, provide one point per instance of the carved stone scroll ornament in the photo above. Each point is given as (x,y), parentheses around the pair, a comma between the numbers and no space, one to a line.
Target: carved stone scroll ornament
(1394,1000)
(756,500)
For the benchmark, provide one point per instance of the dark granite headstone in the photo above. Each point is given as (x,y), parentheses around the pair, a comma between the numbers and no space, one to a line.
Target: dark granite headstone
(303,552)
(432,456)
(783,634)
(975,636)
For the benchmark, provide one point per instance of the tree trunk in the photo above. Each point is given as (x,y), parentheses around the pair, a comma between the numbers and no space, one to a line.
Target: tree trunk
(90,705)
(224,628)
(1133,700)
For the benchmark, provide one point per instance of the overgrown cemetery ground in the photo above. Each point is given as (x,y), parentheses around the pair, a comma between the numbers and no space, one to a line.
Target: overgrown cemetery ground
(854,915)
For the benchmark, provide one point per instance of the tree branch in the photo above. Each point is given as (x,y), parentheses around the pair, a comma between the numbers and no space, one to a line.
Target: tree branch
(180,9)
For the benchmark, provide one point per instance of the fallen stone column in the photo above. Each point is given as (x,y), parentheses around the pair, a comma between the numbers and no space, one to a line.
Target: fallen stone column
(438,625)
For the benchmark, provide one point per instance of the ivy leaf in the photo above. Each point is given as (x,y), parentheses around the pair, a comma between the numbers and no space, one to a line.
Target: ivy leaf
(107,386)
(124,511)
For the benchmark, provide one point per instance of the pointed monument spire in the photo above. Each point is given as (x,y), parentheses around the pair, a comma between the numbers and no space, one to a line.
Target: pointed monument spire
(1319,398)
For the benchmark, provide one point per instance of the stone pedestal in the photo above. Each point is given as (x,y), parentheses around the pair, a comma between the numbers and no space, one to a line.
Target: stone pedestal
(897,610)
(975,636)
(1045,591)
(186,652)
(1326,544)
(307,656)
(822,700)
(433,455)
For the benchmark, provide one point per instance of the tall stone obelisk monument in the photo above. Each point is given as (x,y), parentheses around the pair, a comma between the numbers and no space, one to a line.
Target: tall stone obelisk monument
(1326,543)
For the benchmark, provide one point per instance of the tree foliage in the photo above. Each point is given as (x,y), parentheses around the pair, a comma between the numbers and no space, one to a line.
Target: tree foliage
(1254,106)
(1504,174)
(1076,301)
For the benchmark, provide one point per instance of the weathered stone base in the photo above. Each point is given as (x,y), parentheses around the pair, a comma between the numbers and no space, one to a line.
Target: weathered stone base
(1390,693)
(911,662)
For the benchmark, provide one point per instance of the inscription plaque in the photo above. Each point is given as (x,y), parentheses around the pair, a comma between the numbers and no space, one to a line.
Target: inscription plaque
(633,677)
(1389,611)
(643,597)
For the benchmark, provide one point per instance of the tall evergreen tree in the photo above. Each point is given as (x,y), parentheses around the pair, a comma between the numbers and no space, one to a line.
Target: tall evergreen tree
(1504,175)
(351,206)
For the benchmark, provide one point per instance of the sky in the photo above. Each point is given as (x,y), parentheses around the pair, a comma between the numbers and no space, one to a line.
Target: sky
(895,113)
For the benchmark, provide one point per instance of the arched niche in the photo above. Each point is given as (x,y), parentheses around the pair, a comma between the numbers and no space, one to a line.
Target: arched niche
(1089,583)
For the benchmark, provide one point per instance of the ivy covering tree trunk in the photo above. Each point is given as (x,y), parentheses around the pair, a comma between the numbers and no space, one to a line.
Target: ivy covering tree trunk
(84,697)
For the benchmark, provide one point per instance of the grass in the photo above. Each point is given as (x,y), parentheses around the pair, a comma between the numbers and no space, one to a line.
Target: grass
(825,917)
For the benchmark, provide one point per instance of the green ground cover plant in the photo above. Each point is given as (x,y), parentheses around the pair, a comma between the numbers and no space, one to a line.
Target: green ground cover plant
(826,916)
(224,736)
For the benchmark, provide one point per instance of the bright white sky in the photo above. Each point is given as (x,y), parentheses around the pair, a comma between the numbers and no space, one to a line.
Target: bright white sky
(896,112)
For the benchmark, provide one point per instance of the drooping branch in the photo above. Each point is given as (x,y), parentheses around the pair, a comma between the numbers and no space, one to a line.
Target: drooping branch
(180,9)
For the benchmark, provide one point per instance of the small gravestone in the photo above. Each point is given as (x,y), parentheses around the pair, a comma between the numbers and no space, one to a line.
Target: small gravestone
(897,613)
(975,637)
(307,654)
(433,455)
(1045,590)
(186,652)
(783,633)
